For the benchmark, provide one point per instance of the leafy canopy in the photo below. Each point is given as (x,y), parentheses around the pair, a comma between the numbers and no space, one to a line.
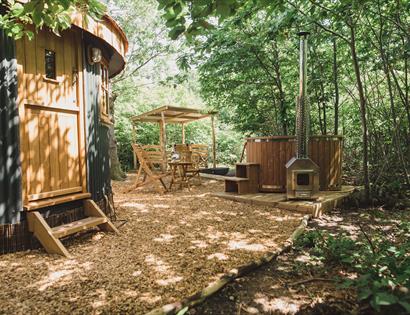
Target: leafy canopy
(54,14)
(192,17)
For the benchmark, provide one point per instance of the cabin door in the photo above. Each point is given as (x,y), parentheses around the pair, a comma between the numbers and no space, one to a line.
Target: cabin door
(52,115)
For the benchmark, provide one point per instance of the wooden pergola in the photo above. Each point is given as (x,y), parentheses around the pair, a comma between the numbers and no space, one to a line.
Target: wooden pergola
(175,115)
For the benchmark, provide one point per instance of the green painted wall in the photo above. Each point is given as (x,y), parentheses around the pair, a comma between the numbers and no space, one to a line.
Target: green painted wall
(10,170)
(98,161)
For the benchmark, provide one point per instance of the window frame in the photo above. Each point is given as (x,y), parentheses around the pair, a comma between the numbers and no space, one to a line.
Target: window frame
(54,54)
(104,99)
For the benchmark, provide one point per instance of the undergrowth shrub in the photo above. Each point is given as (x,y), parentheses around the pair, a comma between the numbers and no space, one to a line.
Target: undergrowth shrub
(382,264)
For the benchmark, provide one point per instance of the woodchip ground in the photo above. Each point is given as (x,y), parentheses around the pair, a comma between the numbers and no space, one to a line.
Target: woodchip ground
(171,246)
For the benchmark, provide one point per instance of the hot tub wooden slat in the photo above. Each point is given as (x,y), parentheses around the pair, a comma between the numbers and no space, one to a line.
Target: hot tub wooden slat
(330,157)
(325,165)
(272,153)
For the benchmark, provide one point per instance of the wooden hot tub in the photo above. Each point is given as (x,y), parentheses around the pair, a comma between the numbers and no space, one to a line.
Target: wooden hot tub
(272,153)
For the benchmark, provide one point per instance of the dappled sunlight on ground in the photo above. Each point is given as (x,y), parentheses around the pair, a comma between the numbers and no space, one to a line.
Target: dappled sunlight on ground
(283,304)
(299,282)
(171,246)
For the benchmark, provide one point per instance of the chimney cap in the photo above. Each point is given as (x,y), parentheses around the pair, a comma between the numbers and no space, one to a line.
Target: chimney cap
(303,33)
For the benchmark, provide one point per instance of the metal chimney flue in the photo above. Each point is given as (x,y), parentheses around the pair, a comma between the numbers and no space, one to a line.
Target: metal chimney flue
(302,114)
(302,174)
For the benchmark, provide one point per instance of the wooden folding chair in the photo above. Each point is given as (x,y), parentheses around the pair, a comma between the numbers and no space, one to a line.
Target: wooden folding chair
(186,155)
(146,166)
(184,152)
(193,171)
(154,157)
(202,151)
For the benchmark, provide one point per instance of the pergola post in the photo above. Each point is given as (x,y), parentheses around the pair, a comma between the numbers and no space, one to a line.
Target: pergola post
(163,140)
(134,140)
(213,141)
(183,133)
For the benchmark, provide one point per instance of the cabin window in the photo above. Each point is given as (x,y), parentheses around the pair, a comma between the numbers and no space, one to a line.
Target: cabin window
(50,64)
(105,94)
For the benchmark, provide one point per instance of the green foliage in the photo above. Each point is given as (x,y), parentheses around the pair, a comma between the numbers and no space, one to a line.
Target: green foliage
(183,311)
(244,54)
(240,68)
(229,145)
(248,70)
(53,14)
(383,266)
(177,13)
(157,74)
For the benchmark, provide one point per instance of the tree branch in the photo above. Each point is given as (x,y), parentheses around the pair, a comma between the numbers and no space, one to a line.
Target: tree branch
(326,29)
(137,68)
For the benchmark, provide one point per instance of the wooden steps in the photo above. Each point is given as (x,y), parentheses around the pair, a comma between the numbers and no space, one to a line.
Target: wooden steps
(77,226)
(49,237)
(246,180)
(237,185)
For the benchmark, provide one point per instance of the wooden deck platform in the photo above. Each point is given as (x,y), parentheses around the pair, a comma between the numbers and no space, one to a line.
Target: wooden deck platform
(327,200)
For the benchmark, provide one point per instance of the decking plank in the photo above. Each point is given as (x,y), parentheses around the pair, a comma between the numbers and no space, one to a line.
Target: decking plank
(327,200)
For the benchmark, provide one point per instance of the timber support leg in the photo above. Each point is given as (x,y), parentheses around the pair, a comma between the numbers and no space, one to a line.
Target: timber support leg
(42,231)
(92,210)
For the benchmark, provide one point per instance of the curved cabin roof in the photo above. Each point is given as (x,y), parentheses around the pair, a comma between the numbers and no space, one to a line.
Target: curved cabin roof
(108,31)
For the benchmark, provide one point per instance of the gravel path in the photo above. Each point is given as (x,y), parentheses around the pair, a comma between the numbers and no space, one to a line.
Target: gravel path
(171,246)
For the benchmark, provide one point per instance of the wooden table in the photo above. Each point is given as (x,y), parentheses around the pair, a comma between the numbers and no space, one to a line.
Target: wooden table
(182,179)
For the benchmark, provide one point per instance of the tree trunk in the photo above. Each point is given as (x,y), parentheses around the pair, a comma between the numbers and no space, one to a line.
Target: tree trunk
(405,40)
(319,112)
(406,84)
(336,84)
(283,112)
(319,93)
(363,114)
(323,108)
(396,134)
(282,100)
(116,171)
(323,100)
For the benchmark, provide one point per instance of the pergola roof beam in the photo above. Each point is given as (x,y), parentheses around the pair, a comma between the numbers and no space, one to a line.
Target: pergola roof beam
(172,115)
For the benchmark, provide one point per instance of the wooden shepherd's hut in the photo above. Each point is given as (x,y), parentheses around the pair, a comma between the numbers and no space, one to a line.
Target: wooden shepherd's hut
(54,121)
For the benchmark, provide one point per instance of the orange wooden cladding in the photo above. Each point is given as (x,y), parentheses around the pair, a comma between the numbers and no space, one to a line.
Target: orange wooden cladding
(272,153)
(51,115)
